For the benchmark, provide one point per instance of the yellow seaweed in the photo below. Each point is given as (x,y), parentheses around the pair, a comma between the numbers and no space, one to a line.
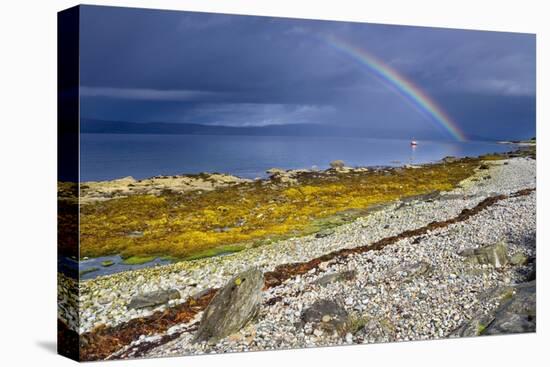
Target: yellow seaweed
(187,225)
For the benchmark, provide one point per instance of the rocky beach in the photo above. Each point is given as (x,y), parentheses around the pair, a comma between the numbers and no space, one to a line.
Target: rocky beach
(233,183)
(447,263)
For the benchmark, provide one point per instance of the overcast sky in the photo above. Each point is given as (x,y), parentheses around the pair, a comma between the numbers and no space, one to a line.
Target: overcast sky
(163,66)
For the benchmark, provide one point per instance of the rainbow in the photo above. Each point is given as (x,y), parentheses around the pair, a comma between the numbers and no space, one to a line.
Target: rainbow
(407,89)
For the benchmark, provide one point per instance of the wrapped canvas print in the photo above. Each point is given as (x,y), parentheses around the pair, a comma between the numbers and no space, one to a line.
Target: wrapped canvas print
(232,183)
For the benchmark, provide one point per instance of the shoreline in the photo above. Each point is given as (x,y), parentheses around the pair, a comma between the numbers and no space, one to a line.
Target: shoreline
(256,172)
(278,178)
(235,178)
(212,273)
(195,263)
(104,300)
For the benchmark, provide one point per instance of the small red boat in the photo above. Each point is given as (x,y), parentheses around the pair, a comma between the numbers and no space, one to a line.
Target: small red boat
(413,143)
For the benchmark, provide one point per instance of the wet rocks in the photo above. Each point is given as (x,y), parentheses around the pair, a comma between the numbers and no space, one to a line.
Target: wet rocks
(153,299)
(326,316)
(495,255)
(232,307)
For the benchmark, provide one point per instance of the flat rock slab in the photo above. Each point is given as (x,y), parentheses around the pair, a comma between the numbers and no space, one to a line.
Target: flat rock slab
(495,255)
(406,273)
(232,307)
(153,299)
(336,277)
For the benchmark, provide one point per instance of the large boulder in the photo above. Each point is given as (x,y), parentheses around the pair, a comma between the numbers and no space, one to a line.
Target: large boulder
(326,315)
(153,299)
(232,307)
(495,255)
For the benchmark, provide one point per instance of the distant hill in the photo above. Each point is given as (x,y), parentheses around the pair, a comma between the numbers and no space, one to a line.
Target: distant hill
(481,138)
(124,127)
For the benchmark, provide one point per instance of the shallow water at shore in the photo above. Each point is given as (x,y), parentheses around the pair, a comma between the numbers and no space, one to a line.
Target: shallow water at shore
(92,268)
(110,156)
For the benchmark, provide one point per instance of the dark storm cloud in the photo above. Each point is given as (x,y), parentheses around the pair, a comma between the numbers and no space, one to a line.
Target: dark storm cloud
(143,65)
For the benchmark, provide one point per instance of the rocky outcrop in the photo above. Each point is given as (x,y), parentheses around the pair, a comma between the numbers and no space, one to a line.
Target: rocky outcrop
(94,191)
(449,159)
(153,299)
(473,327)
(495,255)
(518,315)
(337,164)
(233,306)
(282,176)
(275,172)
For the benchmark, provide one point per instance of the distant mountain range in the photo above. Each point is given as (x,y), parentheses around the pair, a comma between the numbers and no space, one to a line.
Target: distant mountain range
(91,126)
(124,127)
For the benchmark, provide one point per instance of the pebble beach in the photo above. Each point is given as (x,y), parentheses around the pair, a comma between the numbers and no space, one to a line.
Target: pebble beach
(420,287)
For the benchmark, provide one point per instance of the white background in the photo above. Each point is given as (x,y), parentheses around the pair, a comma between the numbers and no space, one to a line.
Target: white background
(28,180)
